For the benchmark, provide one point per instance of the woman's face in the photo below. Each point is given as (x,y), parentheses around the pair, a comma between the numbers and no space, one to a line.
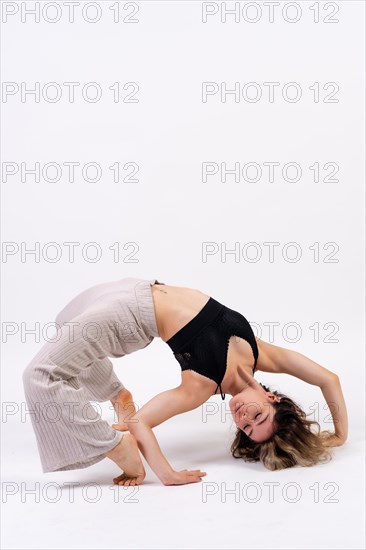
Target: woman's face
(253,412)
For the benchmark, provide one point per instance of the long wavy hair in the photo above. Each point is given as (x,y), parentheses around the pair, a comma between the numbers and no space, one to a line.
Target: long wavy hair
(294,442)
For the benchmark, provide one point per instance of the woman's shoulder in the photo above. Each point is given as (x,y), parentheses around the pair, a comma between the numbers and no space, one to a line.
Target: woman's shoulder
(267,354)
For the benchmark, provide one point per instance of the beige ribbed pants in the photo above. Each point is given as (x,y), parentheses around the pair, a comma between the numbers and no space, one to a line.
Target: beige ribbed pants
(107,320)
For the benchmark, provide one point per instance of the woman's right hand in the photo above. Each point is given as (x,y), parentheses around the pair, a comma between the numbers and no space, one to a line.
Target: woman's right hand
(185,476)
(333,440)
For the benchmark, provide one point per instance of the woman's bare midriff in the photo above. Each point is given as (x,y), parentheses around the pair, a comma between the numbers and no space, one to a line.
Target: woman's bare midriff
(175,306)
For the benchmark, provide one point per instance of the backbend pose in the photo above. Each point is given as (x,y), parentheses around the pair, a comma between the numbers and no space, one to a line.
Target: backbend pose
(215,347)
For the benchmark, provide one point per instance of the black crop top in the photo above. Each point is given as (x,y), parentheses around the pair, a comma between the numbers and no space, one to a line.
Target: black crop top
(202,344)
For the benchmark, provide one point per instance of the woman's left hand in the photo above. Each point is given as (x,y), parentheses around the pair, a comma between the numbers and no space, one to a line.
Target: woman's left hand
(121,427)
(125,408)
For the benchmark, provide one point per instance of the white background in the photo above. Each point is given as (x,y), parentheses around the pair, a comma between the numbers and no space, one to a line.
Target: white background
(170,213)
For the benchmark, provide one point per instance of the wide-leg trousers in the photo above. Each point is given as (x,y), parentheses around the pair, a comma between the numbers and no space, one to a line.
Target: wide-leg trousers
(107,320)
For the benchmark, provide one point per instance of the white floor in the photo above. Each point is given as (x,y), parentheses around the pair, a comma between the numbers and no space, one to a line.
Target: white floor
(318,507)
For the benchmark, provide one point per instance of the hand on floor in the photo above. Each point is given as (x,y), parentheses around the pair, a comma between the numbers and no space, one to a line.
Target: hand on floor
(185,476)
(333,440)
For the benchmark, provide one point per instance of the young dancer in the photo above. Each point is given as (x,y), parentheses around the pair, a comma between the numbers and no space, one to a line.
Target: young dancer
(215,347)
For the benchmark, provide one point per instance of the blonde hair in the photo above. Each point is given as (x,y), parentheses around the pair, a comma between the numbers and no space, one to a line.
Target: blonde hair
(293,443)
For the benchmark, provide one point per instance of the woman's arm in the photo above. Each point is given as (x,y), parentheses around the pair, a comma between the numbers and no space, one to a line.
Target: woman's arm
(298,365)
(333,395)
(160,408)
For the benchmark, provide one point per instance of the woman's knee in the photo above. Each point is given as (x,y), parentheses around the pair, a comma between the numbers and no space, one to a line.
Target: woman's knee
(28,376)
(31,376)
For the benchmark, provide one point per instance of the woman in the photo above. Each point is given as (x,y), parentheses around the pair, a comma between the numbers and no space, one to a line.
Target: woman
(214,346)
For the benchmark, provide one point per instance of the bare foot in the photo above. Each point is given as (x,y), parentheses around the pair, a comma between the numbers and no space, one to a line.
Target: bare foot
(127,456)
(124,407)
